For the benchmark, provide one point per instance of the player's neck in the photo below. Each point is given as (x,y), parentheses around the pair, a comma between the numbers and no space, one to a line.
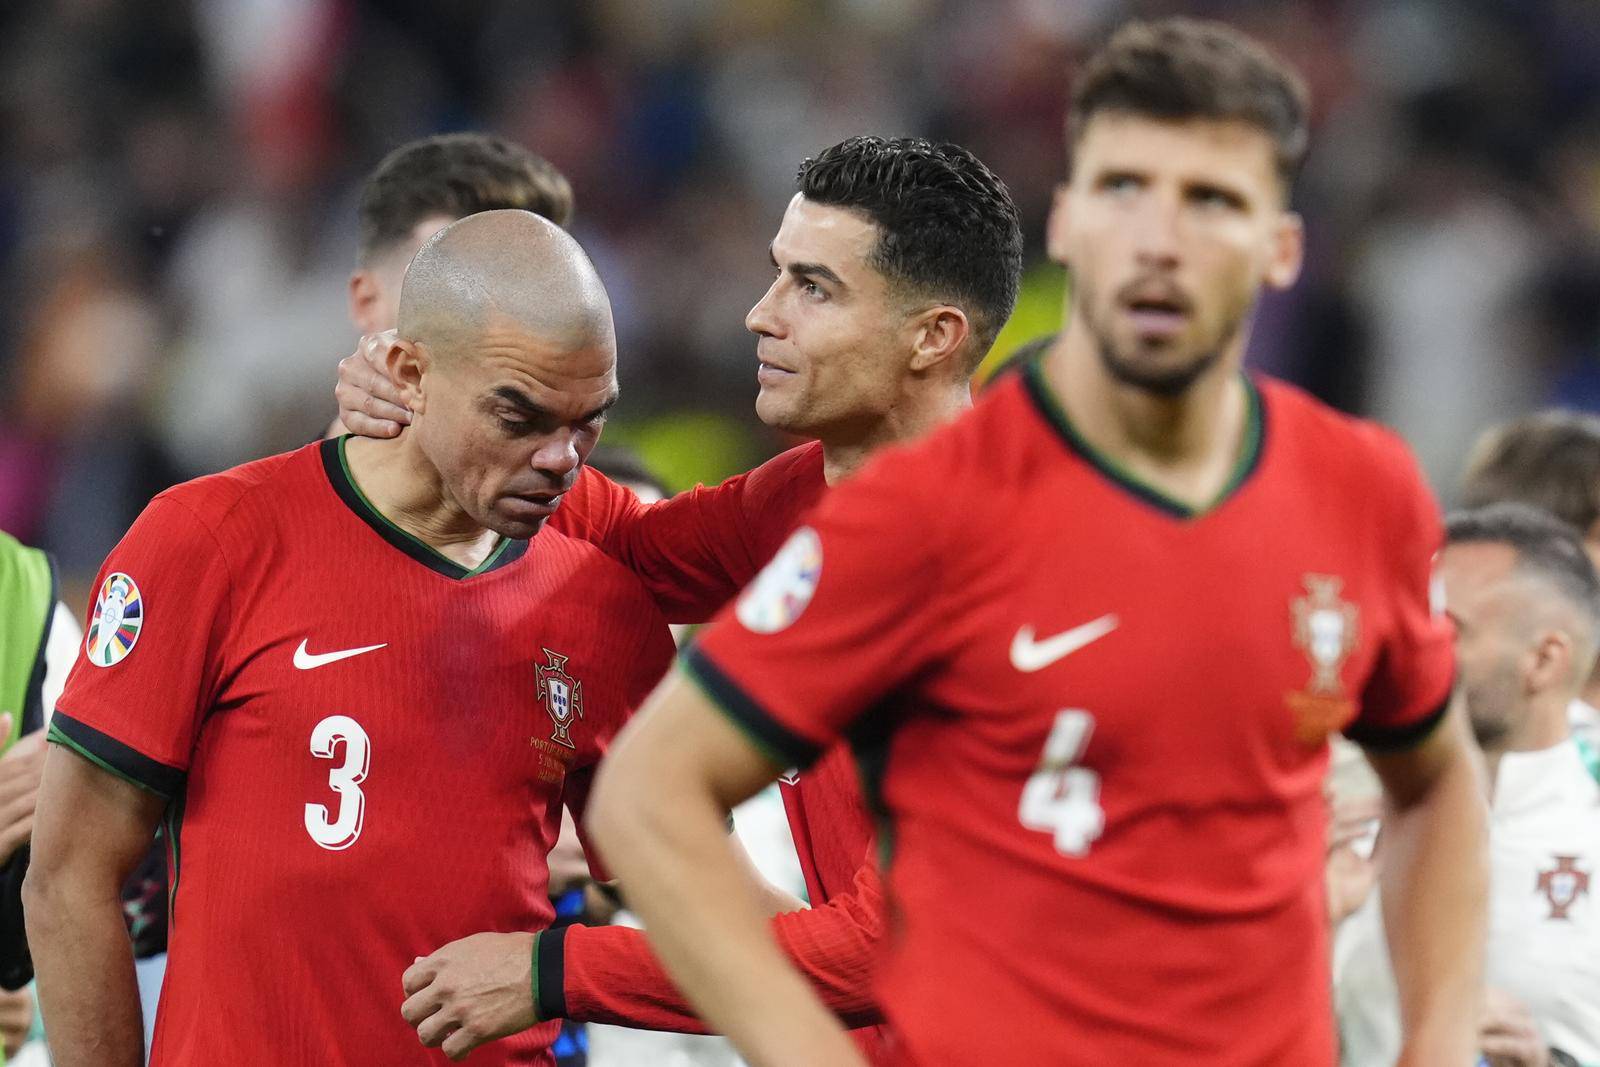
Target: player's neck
(398,481)
(1543,726)
(1188,446)
(845,450)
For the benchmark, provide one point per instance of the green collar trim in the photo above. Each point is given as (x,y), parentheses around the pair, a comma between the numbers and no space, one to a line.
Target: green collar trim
(1055,413)
(337,466)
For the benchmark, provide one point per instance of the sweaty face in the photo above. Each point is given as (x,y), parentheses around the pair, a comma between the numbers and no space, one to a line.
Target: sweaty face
(510,422)
(1169,230)
(828,325)
(1492,646)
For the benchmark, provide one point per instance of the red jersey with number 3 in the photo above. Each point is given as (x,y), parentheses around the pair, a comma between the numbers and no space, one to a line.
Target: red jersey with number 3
(365,746)
(1097,721)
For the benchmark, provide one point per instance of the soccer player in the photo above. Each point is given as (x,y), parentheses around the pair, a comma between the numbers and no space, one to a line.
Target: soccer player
(359,679)
(1549,460)
(1526,603)
(1115,729)
(868,335)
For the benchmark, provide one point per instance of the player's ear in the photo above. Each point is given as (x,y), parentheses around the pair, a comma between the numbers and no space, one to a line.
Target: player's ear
(1288,250)
(1551,661)
(363,296)
(407,362)
(1055,232)
(938,335)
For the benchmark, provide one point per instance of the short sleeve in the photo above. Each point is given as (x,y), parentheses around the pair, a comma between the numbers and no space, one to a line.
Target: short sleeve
(847,611)
(696,550)
(149,666)
(1409,689)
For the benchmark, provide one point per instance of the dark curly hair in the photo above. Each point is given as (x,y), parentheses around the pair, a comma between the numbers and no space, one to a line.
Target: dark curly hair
(1182,68)
(947,226)
(456,175)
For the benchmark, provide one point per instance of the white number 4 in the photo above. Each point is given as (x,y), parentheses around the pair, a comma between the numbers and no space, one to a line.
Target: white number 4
(340,831)
(1061,799)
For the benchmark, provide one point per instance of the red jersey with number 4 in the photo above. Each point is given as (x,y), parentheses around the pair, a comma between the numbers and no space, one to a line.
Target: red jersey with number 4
(365,746)
(1097,721)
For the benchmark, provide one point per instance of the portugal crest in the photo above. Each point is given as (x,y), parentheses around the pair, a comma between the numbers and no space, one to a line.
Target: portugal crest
(1563,885)
(118,617)
(562,695)
(1325,630)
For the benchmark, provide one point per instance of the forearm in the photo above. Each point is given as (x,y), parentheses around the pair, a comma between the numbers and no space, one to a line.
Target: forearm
(1434,881)
(703,915)
(88,994)
(611,974)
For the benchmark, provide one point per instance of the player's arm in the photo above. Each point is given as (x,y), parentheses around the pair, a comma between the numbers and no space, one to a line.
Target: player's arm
(1433,867)
(91,830)
(659,810)
(1433,874)
(693,551)
(610,974)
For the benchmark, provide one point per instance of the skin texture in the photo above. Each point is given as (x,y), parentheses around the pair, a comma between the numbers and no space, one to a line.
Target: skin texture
(1190,213)
(506,358)
(842,356)
(92,830)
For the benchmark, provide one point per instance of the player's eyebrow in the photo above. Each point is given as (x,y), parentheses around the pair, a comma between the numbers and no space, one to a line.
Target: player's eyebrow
(532,408)
(808,270)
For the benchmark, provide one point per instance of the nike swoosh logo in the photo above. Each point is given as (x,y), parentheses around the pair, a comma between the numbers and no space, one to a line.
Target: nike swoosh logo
(1029,655)
(310,661)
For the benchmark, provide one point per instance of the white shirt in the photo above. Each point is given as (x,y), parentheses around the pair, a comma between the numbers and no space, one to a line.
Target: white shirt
(1544,915)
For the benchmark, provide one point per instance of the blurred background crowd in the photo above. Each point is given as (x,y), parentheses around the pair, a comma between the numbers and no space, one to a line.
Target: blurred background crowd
(178,180)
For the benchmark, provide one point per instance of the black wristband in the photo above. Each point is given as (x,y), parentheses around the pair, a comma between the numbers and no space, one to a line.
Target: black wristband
(550,974)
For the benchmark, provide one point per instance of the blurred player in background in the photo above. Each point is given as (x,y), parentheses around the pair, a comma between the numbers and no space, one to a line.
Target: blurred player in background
(38,642)
(1116,728)
(1551,460)
(897,262)
(1526,603)
(360,679)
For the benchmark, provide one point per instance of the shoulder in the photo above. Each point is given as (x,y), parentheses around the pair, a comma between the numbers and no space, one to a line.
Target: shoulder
(213,501)
(1364,462)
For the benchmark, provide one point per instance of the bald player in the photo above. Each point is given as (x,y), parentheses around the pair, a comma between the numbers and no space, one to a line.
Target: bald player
(358,680)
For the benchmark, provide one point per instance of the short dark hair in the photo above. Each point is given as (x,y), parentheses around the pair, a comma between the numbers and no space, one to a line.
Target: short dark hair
(455,174)
(1550,459)
(1544,546)
(947,226)
(1179,69)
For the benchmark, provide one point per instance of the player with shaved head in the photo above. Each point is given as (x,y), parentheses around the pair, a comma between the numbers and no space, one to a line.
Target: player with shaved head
(359,680)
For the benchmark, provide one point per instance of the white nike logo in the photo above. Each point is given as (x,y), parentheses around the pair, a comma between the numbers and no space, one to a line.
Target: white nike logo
(308,661)
(1028,655)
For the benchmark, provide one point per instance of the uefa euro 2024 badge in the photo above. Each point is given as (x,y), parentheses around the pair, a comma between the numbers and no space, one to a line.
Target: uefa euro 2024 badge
(118,617)
(785,585)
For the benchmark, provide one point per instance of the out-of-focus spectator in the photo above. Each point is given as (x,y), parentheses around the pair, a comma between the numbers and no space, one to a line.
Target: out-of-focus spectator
(1548,460)
(1526,601)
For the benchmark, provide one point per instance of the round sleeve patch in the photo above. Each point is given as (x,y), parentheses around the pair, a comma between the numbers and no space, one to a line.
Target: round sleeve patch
(118,617)
(785,585)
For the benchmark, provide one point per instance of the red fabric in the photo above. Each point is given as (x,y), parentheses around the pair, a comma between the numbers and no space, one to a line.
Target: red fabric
(612,975)
(285,950)
(695,551)
(1148,890)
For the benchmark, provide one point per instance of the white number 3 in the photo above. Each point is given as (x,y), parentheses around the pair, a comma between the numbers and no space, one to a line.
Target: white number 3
(341,832)
(1059,798)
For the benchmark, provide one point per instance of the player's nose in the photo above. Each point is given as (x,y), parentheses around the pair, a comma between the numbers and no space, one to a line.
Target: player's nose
(763,318)
(557,455)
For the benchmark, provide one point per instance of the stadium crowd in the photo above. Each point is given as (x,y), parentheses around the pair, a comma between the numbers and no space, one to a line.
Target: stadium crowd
(178,205)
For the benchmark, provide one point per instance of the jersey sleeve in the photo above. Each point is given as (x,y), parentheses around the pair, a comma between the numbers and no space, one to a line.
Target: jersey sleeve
(1409,690)
(611,975)
(696,550)
(149,671)
(853,605)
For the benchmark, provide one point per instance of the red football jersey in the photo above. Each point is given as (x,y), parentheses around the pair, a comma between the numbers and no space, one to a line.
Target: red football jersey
(366,747)
(695,551)
(1096,721)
